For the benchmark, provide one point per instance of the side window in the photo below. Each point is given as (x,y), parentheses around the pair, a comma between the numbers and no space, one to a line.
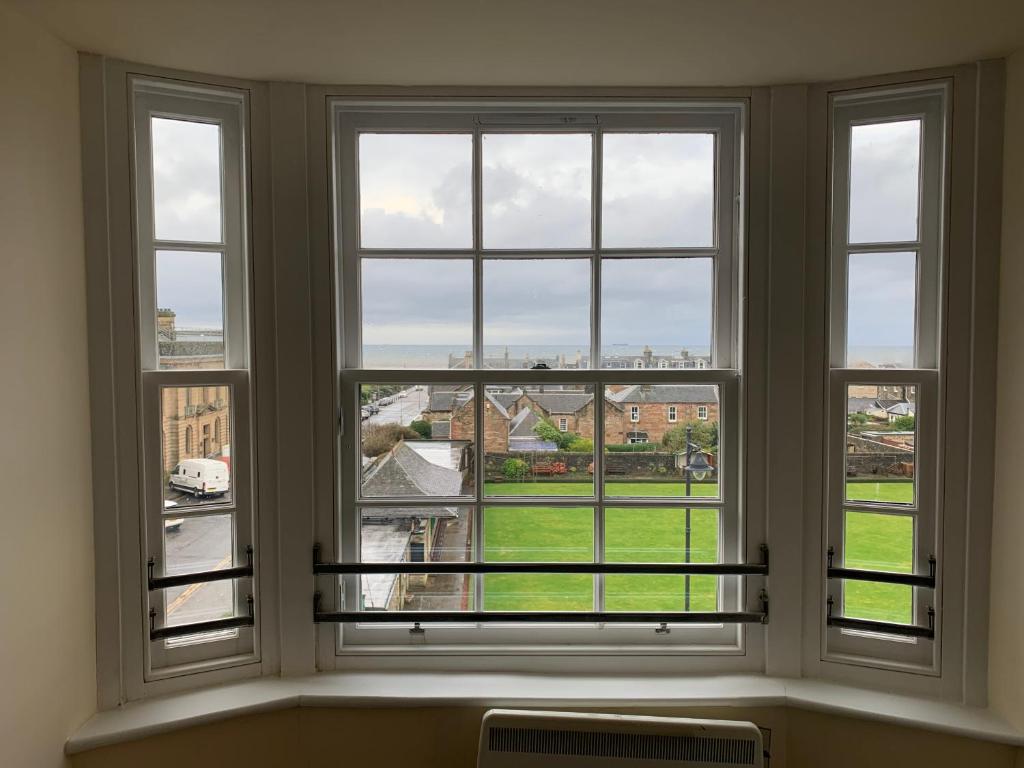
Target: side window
(191,200)
(884,410)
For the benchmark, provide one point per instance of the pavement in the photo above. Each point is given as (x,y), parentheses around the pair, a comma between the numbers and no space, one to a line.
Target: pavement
(404,410)
(199,544)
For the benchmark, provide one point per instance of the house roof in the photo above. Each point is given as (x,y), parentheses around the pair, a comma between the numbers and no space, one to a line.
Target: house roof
(561,402)
(902,409)
(522,424)
(440,430)
(404,472)
(501,408)
(447,399)
(667,393)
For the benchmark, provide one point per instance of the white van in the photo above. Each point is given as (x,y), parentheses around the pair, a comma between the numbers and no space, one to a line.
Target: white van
(201,477)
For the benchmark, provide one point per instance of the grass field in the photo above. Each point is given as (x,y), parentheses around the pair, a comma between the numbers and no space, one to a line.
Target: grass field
(566,534)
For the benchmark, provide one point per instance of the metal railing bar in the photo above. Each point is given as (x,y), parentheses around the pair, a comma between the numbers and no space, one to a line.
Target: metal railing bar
(883,577)
(200,577)
(200,627)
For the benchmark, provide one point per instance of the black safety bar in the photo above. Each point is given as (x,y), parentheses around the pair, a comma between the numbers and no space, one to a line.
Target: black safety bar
(883,577)
(681,569)
(883,627)
(543,617)
(200,577)
(199,627)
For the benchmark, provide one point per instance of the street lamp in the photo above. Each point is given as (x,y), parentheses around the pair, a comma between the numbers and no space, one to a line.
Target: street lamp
(696,468)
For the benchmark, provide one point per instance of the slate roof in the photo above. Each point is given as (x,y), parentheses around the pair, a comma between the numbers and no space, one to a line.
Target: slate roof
(440,430)
(667,393)
(522,424)
(902,409)
(403,472)
(561,402)
(447,399)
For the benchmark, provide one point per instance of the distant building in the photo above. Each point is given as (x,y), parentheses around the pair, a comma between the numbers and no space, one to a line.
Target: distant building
(196,421)
(609,359)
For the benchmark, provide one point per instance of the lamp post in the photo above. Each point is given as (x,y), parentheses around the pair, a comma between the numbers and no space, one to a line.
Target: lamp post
(697,468)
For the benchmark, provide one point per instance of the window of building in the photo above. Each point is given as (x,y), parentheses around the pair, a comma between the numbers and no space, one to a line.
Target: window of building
(702,412)
(190,201)
(672,413)
(884,375)
(536,297)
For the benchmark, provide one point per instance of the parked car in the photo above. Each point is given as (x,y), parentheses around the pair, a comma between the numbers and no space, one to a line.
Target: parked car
(201,477)
(364,413)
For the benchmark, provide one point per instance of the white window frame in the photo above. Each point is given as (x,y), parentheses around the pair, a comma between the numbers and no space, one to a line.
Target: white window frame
(227,109)
(638,363)
(726,120)
(563,424)
(634,414)
(930,104)
(673,413)
(702,412)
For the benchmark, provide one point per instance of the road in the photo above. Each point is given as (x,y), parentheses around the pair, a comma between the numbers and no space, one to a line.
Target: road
(404,410)
(199,544)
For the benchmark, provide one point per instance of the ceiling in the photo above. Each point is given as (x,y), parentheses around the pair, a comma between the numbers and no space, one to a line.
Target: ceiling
(539,42)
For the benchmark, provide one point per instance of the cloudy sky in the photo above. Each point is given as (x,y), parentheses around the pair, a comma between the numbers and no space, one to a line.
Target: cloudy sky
(187,206)
(416,192)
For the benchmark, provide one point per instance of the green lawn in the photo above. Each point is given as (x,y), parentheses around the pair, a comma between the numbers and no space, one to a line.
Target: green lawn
(560,534)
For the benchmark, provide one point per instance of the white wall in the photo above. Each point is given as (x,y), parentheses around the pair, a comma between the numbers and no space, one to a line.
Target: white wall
(47,625)
(1006,645)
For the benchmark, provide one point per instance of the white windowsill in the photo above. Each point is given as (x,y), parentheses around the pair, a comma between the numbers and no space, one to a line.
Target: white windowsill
(400,689)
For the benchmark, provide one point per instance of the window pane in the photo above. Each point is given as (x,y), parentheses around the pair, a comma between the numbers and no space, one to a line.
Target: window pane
(417,313)
(196,428)
(656,313)
(661,440)
(880,310)
(536,190)
(539,440)
(536,311)
(885,166)
(194,544)
(879,542)
(544,534)
(405,534)
(659,190)
(417,440)
(881,427)
(190,309)
(658,535)
(415,190)
(186,180)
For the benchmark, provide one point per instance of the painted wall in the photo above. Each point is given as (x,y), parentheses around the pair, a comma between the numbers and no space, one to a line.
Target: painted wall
(47,625)
(447,738)
(1006,632)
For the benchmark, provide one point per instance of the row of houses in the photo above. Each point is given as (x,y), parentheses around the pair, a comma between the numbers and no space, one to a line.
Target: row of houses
(632,413)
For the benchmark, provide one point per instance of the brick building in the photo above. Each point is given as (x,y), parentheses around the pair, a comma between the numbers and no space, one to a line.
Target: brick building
(635,413)
(196,421)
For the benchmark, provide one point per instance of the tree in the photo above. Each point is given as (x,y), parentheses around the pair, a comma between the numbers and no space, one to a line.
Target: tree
(904,423)
(381,438)
(582,445)
(857,419)
(548,432)
(703,434)
(515,469)
(422,426)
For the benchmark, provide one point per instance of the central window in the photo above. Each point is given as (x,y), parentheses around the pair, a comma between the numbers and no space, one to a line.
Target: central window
(524,292)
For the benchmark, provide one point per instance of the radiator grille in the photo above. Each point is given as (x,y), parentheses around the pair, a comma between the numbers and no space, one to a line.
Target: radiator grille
(699,749)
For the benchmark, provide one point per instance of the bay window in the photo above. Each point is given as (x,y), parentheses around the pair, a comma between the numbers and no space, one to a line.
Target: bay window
(537,377)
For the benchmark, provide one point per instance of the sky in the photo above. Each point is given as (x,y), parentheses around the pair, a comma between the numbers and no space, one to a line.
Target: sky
(187,206)
(657,190)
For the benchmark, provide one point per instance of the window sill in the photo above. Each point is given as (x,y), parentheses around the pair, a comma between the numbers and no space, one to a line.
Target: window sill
(407,689)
